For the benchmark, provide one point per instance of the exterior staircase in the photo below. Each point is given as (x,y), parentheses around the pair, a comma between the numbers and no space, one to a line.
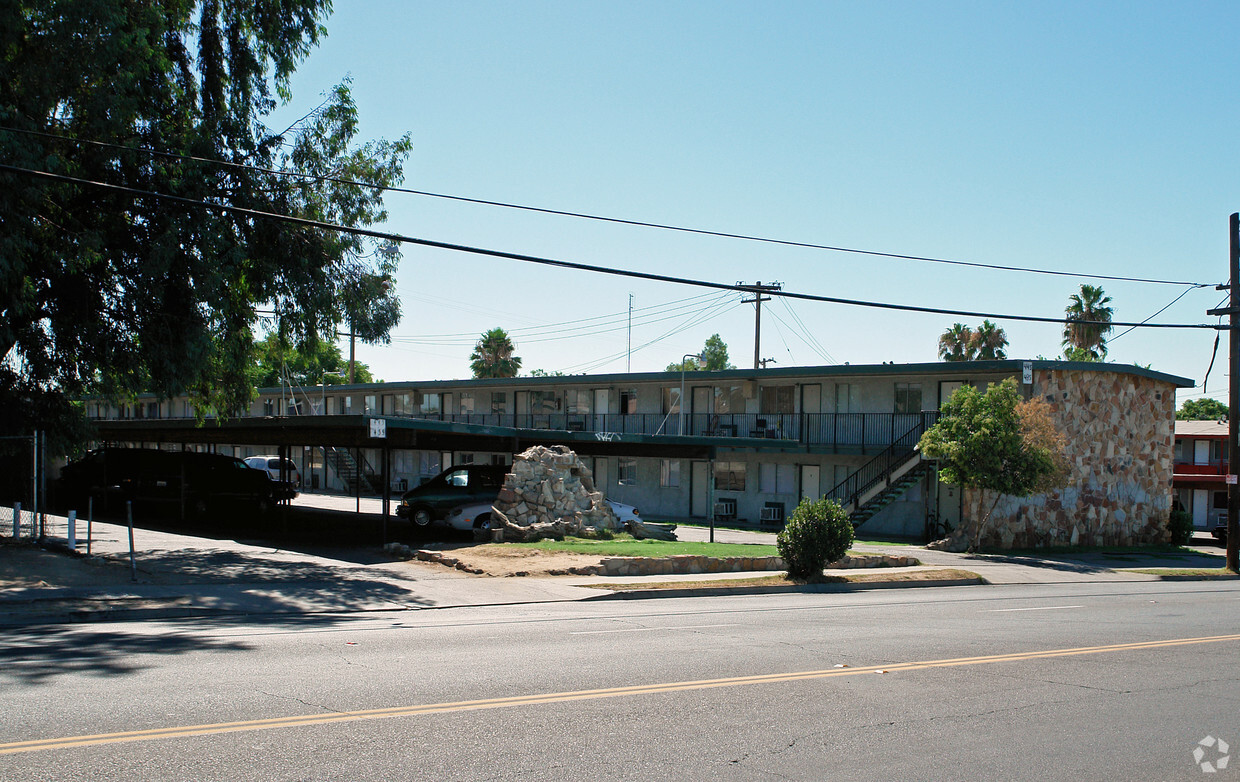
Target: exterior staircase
(882,480)
(349,471)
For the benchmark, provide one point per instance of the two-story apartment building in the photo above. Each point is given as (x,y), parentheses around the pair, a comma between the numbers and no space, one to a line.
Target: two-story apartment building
(1201,469)
(746,445)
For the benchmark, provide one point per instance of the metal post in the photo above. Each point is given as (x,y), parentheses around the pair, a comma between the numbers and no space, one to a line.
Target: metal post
(133,562)
(1233,410)
(90,522)
(17,520)
(34,480)
(73,530)
(43,483)
(710,495)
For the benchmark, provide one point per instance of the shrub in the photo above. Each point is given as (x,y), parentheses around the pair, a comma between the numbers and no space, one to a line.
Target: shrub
(1181,526)
(817,533)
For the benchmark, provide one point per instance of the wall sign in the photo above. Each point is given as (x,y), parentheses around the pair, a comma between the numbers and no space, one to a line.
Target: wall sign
(378,428)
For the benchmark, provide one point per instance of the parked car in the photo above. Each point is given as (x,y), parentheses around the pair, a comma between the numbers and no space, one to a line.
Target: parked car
(477,515)
(197,482)
(465,484)
(288,486)
(625,513)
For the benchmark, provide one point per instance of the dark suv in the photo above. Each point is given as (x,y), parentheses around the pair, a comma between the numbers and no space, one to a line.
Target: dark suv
(450,488)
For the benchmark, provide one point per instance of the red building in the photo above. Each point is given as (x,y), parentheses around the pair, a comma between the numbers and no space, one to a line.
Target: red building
(1201,469)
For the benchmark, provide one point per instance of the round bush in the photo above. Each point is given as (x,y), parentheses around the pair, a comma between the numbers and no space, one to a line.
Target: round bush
(1181,526)
(817,533)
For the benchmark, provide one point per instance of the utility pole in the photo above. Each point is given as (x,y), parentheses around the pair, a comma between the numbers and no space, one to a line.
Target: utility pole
(1233,398)
(758,289)
(629,365)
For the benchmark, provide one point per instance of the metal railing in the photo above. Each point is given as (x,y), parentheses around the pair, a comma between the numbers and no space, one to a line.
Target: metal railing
(870,474)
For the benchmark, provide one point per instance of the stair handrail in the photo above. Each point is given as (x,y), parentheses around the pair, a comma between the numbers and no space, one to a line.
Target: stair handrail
(891,458)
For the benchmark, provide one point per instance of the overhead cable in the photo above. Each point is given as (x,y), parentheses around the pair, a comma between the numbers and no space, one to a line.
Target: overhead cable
(615,220)
(742,288)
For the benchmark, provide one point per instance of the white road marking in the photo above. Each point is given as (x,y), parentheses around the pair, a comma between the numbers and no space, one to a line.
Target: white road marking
(1039,608)
(648,629)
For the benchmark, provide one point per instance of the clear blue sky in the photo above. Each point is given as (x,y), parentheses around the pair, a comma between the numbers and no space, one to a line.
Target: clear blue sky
(1092,138)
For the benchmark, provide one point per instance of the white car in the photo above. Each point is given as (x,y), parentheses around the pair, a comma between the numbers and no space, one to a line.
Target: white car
(271,465)
(625,513)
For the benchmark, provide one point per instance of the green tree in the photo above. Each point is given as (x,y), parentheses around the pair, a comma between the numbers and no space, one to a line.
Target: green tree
(310,364)
(956,344)
(545,373)
(114,292)
(492,356)
(1087,322)
(990,342)
(1204,409)
(714,357)
(995,443)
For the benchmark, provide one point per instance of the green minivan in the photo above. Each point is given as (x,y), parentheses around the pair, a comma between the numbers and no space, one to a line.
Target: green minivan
(466,483)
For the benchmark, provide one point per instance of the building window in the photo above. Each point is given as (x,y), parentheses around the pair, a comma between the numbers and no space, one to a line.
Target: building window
(466,403)
(669,473)
(432,404)
(465,458)
(499,402)
(347,401)
(777,400)
(729,399)
(626,472)
(729,476)
(776,478)
(671,400)
(543,402)
(498,459)
(577,401)
(908,397)
(371,403)
(628,402)
(269,407)
(401,404)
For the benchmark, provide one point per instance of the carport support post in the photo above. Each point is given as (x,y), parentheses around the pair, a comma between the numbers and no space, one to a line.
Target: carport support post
(1233,409)
(387,487)
(710,495)
(72,533)
(357,478)
(133,563)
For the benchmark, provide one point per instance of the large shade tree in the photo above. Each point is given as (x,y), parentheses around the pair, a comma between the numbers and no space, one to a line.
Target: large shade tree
(493,355)
(116,290)
(1087,322)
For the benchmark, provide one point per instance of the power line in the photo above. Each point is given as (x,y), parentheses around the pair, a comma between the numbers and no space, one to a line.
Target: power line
(606,219)
(741,288)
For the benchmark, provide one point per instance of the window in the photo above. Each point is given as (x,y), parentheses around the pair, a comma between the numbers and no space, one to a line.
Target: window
(432,404)
(371,403)
(626,472)
(542,402)
(729,399)
(729,476)
(465,458)
(269,407)
(1220,500)
(499,402)
(1179,451)
(401,404)
(908,397)
(777,478)
(577,401)
(671,400)
(776,400)
(466,403)
(628,402)
(669,473)
(348,405)
(429,463)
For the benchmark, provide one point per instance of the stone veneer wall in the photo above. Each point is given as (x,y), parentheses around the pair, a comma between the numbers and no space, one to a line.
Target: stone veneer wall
(1121,431)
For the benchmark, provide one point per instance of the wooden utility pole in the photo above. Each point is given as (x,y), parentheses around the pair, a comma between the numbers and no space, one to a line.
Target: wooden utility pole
(758,289)
(1233,398)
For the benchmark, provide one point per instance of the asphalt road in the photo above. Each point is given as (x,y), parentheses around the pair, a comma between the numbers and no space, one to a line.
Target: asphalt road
(1089,681)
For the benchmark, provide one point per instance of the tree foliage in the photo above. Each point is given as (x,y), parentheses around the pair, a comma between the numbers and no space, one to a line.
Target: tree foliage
(493,355)
(311,364)
(994,442)
(1204,409)
(987,342)
(714,357)
(116,292)
(1087,322)
(817,533)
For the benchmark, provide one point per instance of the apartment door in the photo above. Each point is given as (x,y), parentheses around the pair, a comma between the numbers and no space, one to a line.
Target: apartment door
(1201,452)
(810,489)
(602,405)
(602,475)
(699,489)
(810,418)
(1201,504)
(703,398)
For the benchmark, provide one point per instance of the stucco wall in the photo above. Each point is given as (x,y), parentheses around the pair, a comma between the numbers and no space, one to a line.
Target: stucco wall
(1120,432)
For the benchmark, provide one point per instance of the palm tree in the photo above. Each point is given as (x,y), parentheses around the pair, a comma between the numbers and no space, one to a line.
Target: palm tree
(956,344)
(990,342)
(1087,323)
(492,356)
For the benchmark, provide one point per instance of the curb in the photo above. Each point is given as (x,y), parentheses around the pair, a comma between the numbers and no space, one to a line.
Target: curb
(861,586)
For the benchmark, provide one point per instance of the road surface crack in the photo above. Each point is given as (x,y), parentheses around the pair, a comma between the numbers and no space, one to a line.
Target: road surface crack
(320,706)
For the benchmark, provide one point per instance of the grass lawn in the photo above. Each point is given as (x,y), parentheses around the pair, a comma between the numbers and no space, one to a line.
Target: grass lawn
(1202,572)
(626,546)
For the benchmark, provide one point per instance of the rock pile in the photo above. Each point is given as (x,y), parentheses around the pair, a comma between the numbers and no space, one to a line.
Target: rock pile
(549,494)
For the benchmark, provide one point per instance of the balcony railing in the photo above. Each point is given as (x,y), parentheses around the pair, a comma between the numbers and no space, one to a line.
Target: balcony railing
(1208,468)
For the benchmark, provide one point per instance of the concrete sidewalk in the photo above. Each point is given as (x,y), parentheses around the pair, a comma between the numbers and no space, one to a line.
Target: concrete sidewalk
(182,575)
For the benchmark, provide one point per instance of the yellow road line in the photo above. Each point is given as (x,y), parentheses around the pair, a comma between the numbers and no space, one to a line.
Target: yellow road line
(563,697)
